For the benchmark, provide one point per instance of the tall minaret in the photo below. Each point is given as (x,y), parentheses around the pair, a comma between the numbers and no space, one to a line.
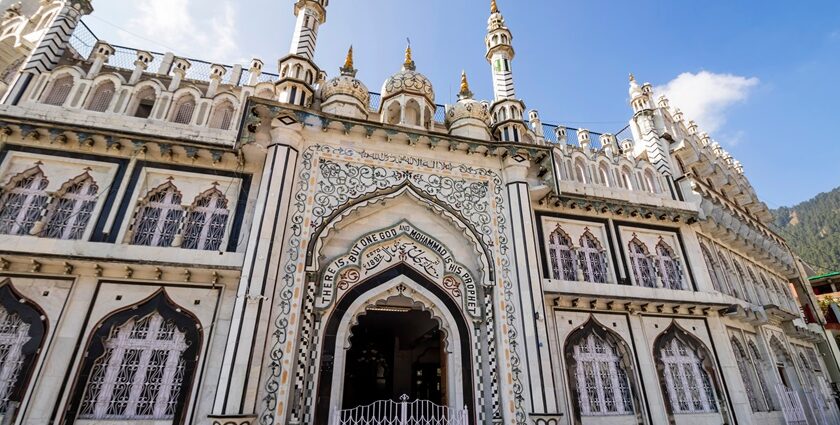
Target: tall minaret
(298,73)
(310,15)
(507,111)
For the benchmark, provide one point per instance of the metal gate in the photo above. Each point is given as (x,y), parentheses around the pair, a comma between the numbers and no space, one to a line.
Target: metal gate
(403,412)
(791,406)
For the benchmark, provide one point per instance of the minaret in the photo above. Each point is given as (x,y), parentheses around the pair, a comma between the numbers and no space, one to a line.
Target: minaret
(310,15)
(298,73)
(507,111)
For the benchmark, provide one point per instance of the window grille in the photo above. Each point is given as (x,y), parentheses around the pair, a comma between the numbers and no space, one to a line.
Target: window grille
(140,374)
(593,259)
(14,334)
(206,221)
(101,98)
(222,116)
(70,212)
(641,264)
(159,217)
(562,259)
(669,266)
(59,91)
(734,284)
(601,382)
(688,385)
(22,201)
(747,372)
(758,362)
(714,270)
(184,111)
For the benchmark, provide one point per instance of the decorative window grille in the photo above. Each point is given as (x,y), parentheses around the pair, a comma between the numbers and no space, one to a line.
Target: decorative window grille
(206,221)
(714,270)
(140,374)
(688,385)
(159,217)
(593,259)
(68,215)
(747,371)
(758,362)
(22,201)
(602,384)
(14,334)
(562,258)
(59,91)
(641,264)
(669,266)
(101,98)
(222,116)
(184,110)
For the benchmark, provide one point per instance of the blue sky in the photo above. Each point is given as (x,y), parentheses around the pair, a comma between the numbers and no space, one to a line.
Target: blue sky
(763,78)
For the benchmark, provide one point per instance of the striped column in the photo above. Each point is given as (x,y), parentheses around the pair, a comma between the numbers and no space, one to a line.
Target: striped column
(502,78)
(306,34)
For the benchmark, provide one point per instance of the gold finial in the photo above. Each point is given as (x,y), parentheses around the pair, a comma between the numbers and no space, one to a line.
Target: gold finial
(632,77)
(493,7)
(465,92)
(348,61)
(409,62)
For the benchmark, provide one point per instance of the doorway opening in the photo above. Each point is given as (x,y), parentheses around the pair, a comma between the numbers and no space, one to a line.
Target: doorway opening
(395,351)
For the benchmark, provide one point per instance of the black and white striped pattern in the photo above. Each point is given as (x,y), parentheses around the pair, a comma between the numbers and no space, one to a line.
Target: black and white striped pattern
(306,36)
(658,156)
(49,50)
(503,85)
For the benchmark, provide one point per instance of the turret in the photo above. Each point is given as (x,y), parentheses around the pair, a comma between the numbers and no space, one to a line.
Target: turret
(298,73)
(310,15)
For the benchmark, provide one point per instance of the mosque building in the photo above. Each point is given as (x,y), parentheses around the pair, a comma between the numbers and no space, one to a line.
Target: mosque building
(184,242)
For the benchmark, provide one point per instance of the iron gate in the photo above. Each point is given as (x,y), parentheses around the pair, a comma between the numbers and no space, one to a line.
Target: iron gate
(403,412)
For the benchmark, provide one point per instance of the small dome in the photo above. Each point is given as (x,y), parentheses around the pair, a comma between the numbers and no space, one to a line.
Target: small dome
(408,81)
(467,107)
(346,84)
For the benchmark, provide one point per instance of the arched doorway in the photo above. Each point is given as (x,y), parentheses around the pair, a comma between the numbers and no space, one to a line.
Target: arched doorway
(395,349)
(362,311)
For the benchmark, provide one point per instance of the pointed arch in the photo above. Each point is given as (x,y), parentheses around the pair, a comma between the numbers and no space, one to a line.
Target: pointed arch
(626,178)
(561,255)
(651,181)
(140,363)
(100,98)
(580,171)
(748,376)
(641,264)
(593,258)
(144,101)
(686,372)
(411,113)
(158,217)
(749,292)
(182,112)
(670,268)
(23,329)
(59,90)
(760,368)
(715,273)
(222,115)
(22,201)
(600,373)
(734,284)
(206,221)
(72,206)
(604,172)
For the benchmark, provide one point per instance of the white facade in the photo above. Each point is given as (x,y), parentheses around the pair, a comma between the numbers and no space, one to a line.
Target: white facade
(191,243)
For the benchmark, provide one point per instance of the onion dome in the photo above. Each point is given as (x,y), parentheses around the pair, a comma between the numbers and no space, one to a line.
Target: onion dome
(468,117)
(346,84)
(408,81)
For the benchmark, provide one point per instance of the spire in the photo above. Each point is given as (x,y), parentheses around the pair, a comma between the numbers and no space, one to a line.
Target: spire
(634,86)
(465,92)
(493,7)
(348,69)
(409,62)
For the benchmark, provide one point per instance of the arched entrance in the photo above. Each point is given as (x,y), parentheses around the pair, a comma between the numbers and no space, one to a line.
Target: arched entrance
(366,318)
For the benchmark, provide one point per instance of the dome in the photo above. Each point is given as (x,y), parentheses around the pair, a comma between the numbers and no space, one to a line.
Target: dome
(346,84)
(468,117)
(408,81)
(467,108)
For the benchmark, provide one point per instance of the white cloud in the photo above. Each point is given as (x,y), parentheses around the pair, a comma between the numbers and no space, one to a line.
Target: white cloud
(177,25)
(705,96)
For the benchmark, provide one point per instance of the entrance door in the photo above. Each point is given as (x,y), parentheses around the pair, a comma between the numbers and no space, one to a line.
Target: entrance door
(394,351)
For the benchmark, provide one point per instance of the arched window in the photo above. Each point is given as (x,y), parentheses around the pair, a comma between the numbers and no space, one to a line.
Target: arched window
(758,363)
(69,213)
(59,91)
(22,330)
(749,291)
(144,102)
(669,266)
(598,374)
(562,258)
(140,364)
(747,371)
(222,115)
(734,284)
(580,171)
(184,110)
(761,290)
(714,270)
(652,182)
(593,259)
(641,264)
(206,221)
(685,370)
(411,115)
(626,179)
(23,199)
(101,97)
(604,172)
(158,217)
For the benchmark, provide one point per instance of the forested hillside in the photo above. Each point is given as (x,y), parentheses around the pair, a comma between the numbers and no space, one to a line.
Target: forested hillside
(813,230)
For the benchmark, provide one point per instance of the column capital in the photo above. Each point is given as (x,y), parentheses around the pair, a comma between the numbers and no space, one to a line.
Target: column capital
(516,169)
(287,137)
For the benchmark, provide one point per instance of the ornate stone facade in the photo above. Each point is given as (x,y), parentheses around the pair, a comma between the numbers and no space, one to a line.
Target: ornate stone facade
(191,243)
